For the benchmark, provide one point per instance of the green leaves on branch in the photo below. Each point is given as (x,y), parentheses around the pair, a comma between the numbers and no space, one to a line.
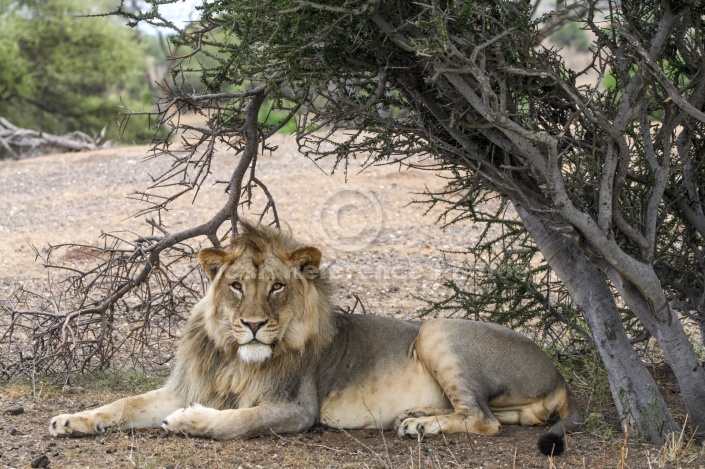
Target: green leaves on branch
(62,71)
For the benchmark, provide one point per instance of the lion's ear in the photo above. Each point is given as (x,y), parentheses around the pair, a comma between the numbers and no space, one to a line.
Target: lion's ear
(211,260)
(308,259)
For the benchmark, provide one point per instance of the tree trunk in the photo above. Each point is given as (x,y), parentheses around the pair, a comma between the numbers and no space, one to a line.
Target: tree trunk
(639,403)
(676,347)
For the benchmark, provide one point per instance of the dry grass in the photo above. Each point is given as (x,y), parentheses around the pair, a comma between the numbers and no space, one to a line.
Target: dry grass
(26,439)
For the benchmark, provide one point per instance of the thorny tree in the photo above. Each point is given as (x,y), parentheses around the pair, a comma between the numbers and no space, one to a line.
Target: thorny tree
(607,181)
(130,302)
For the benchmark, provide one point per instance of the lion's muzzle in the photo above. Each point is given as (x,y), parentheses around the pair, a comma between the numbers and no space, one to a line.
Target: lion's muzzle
(254,352)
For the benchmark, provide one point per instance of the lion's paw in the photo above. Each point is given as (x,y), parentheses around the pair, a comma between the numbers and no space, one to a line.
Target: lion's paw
(411,413)
(418,427)
(193,420)
(79,424)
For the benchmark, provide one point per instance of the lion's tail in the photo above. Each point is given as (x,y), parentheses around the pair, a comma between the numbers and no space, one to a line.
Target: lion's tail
(553,442)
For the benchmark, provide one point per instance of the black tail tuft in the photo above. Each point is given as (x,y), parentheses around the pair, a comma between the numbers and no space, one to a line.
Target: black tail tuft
(551,444)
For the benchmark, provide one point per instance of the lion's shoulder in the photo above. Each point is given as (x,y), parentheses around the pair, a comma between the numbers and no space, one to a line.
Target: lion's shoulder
(362,344)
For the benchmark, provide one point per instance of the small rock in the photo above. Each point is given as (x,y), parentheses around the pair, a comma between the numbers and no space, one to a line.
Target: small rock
(14,410)
(42,461)
(73,389)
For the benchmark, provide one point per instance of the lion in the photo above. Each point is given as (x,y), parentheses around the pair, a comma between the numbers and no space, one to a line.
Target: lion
(265,351)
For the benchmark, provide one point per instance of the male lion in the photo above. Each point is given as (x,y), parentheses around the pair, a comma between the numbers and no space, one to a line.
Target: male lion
(263,351)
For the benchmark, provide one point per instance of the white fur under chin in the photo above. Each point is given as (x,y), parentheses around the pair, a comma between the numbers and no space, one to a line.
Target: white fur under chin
(254,352)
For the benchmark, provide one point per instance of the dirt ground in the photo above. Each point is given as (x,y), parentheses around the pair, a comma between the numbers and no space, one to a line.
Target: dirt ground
(26,441)
(376,245)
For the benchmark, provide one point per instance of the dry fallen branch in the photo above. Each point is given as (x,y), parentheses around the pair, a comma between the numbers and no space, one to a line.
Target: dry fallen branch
(121,304)
(17,142)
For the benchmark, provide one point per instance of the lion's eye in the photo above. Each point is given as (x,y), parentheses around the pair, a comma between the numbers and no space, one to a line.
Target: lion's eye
(277,287)
(236,286)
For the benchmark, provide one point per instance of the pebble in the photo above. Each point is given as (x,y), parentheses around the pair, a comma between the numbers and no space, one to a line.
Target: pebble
(41,461)
(14,410)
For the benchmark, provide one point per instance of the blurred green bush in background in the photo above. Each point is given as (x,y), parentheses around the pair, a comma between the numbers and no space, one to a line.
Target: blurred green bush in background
(62,71)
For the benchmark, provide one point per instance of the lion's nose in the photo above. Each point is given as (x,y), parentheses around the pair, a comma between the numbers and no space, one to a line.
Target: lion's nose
(254,325)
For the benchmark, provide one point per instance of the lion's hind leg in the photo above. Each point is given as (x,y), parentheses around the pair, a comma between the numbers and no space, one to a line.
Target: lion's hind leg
(431,421)
(531,413)
(417,413)
(470,407)
(466,420)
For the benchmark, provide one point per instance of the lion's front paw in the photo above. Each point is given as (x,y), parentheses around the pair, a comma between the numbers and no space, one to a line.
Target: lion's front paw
(79,424)
(193,420)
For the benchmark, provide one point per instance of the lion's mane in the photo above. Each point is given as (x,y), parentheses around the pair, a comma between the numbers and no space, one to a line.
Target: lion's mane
(207,369)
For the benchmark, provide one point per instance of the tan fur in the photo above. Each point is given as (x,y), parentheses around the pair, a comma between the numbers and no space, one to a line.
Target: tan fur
(263,351)
(375,402)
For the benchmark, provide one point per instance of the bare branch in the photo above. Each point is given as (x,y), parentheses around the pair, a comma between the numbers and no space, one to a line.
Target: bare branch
(33,141)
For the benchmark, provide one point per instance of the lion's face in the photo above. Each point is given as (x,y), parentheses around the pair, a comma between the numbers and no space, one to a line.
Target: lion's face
(261,298)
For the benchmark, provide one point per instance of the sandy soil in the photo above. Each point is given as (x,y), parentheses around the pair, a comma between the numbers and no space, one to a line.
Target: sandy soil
(376,245)
(76,197)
